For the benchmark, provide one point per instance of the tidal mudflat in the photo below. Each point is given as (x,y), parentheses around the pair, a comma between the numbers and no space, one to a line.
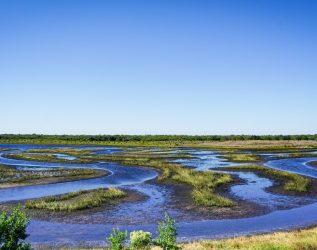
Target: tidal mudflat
(212,193)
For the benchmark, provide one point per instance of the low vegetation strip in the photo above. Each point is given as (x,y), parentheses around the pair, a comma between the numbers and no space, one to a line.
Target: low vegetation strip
(76,200)
(295,240)
(239,157)
(10,177)
(292,181)
(45,157)
(67,151)
(4,149)
(298,155)
(313,164)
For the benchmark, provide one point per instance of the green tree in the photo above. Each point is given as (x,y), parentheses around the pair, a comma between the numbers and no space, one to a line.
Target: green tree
(13,230)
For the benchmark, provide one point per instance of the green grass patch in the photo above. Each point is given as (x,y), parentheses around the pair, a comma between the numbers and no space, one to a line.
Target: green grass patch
(239,157)
(76,200)
(46,157)
(298,155)
(4,149)
(10,177)
(66,151)
(292,181)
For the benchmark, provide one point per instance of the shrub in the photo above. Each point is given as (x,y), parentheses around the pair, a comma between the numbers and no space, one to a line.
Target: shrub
(167,234)
(117,239)
(13,230)
(140,239)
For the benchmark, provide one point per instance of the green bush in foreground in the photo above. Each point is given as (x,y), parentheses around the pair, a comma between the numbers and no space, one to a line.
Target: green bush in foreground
(140,239)
(117,239)
(13,230)
(167,234)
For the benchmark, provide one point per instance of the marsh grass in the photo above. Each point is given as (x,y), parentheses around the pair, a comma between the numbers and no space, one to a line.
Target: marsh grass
(76,200)
(4,149)
(12,177)
(292,181)
(67,151)
(298,155)
(239,157)
(46,157)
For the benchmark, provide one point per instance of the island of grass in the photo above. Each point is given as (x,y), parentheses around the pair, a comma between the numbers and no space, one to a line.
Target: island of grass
(291,182)
(12,177)
(4,149)
(47,157)
(241,157)
(67,151)
(297,155)
(74,201)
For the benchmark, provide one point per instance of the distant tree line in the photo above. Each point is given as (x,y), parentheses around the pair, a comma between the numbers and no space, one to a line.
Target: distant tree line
(148,138)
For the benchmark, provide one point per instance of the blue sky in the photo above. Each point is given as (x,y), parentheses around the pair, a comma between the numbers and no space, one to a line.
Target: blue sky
(158,67)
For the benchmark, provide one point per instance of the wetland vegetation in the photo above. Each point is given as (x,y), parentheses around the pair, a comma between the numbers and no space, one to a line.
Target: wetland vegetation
(67,151)
(298,155)
(46,157)
(240,157)
(313,163)
(79,200)
(292,182)
(12,177)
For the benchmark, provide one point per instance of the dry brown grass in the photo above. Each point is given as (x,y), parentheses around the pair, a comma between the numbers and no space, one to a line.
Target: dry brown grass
(296,240)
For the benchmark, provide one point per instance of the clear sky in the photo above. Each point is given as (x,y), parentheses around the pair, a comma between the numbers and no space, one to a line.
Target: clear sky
(158,67)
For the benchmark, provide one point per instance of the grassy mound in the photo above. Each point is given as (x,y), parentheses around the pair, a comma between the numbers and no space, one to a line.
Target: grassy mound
(239,157)
(10,177)
(292,181)
(46,157)
(76,200)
